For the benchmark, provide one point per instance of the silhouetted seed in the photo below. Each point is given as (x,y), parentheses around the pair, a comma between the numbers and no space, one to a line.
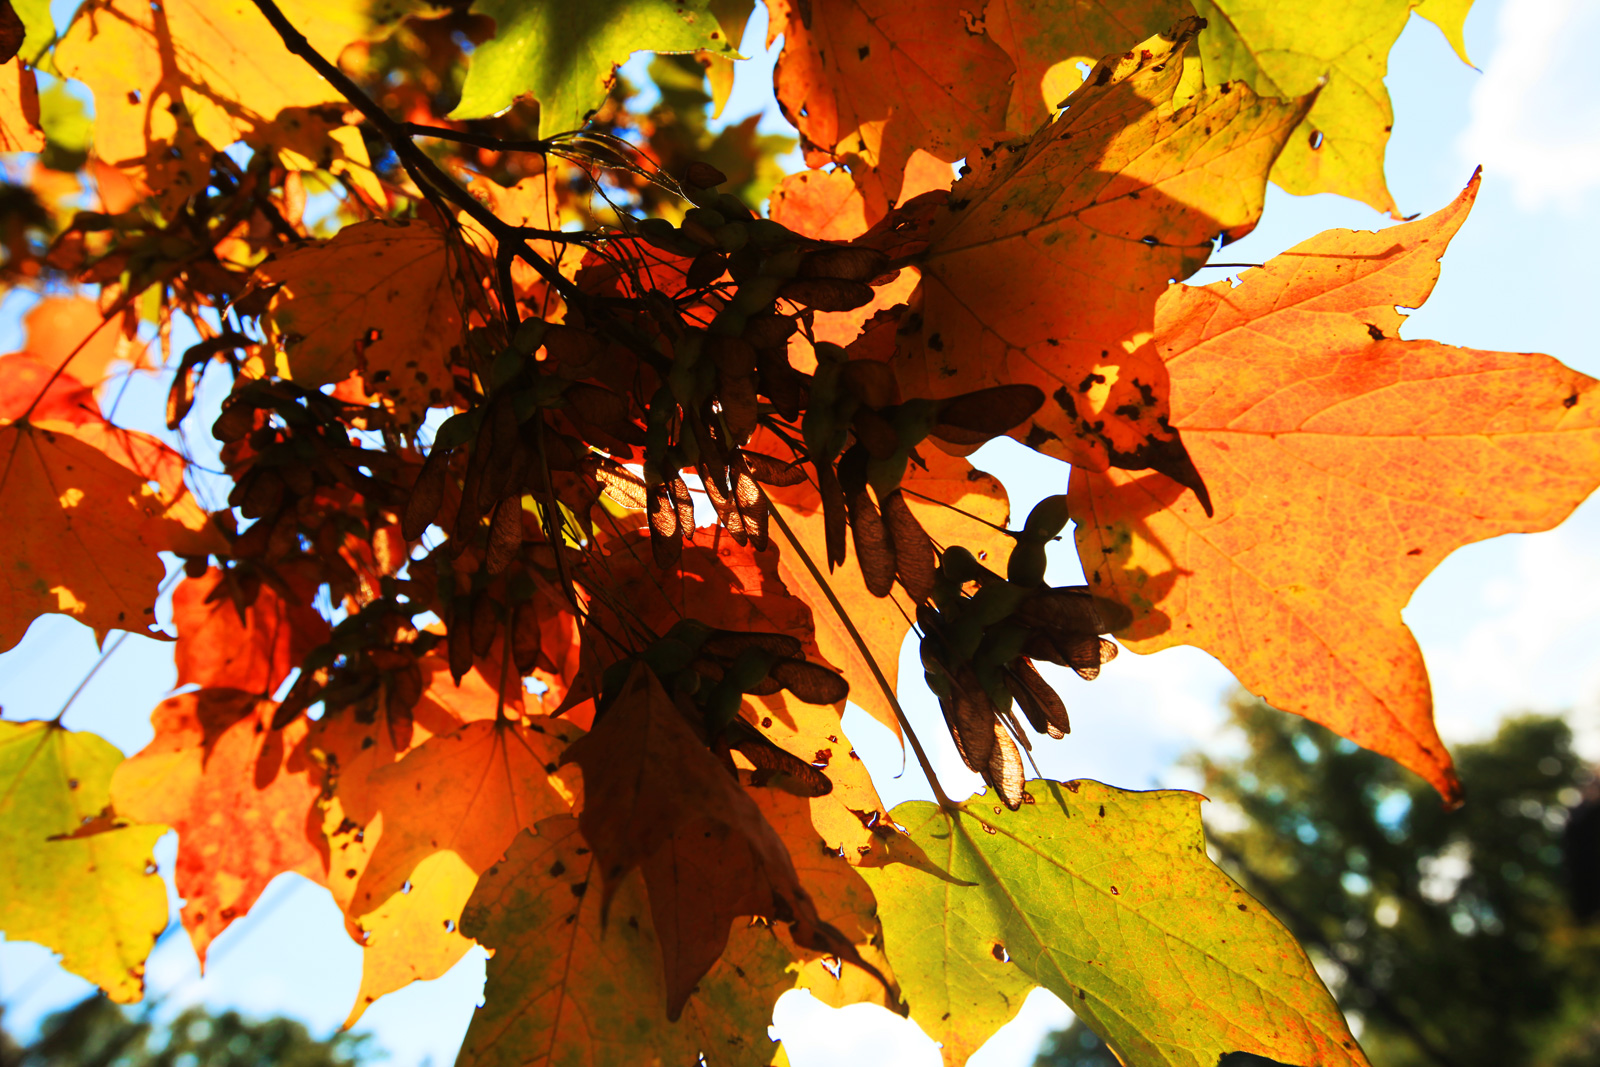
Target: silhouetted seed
(826,294)
(527,637)
(1004,771)
(623,486)
(264,495)
(850,263)
(769,471)
(685,505)
(1040,703)
(459,644)
(663,512)
(834,515)
(485,622)
(811,682)
(973,418)
(706,268)
(605,411)
(704,176)
(772,759)
(915,562)
(874,549)
(505,534)
(399,719)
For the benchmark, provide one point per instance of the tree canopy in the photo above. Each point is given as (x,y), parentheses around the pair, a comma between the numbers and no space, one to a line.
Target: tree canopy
(542,470)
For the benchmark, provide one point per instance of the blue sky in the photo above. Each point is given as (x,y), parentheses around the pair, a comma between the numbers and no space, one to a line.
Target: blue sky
(1505,625)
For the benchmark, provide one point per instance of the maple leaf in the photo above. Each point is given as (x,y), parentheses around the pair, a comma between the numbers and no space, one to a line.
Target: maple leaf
(1305,411)
(19,109)
(838,205)
(565,986)
(413,835)
(1284,48)
(241,796)
(1107,899)
(563,55)
(871,81)
(225,642)
(175,81)
(535,203)
(377,299)
(1046,264)
(27,382)
(63,327)
(93,528)
(736,589)
(412,935)
(656,798)
(843,900)
(96,898)
(1052,43)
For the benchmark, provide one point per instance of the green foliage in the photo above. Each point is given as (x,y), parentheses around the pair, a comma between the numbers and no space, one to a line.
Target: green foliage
(561,52)
(1450,931)
(1106,898)
(97,1033)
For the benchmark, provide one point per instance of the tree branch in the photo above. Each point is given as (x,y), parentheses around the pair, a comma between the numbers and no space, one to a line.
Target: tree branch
(416,160)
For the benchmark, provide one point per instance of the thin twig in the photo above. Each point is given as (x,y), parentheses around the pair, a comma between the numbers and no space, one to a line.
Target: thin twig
(866,654)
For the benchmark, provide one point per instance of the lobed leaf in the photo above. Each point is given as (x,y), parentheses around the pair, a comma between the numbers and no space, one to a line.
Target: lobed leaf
(1107,899)
(1288,48)
(1045,265)
(871,81)
(567,987)
(562,52)
(240,795)
(375,299)
(96,898)
(1305,411)
(89,524)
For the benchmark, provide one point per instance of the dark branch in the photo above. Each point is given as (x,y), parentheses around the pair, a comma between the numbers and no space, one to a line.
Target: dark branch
(476,140)
(416,160)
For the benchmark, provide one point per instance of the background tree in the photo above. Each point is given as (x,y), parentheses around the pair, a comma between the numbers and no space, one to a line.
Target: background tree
(96,1032)
(1450,934)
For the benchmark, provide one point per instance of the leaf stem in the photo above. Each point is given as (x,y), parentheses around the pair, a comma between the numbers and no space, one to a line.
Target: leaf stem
(866,654)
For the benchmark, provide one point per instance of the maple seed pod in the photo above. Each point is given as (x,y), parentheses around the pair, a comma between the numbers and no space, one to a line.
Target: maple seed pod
(732,236)
(527,637)
(765,234)
(1040,703)
(1048,517)
(460,642)
(659,232)
(855,264)
(732,207)
(827,294)
(264,496)
(236,420)
(427,495)
(704,176)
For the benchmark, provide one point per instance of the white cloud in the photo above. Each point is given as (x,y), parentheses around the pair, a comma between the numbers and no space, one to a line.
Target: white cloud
(1536,111)
(1532,647)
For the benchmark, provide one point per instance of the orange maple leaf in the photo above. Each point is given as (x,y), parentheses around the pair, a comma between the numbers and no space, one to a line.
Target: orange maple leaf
(227,642)
(242,797)
(871,81)
(1046,263)
(1345,464)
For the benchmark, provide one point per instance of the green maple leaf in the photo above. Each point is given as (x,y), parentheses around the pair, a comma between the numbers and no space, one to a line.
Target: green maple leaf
(1108,899)
(562,52)
(95,898)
